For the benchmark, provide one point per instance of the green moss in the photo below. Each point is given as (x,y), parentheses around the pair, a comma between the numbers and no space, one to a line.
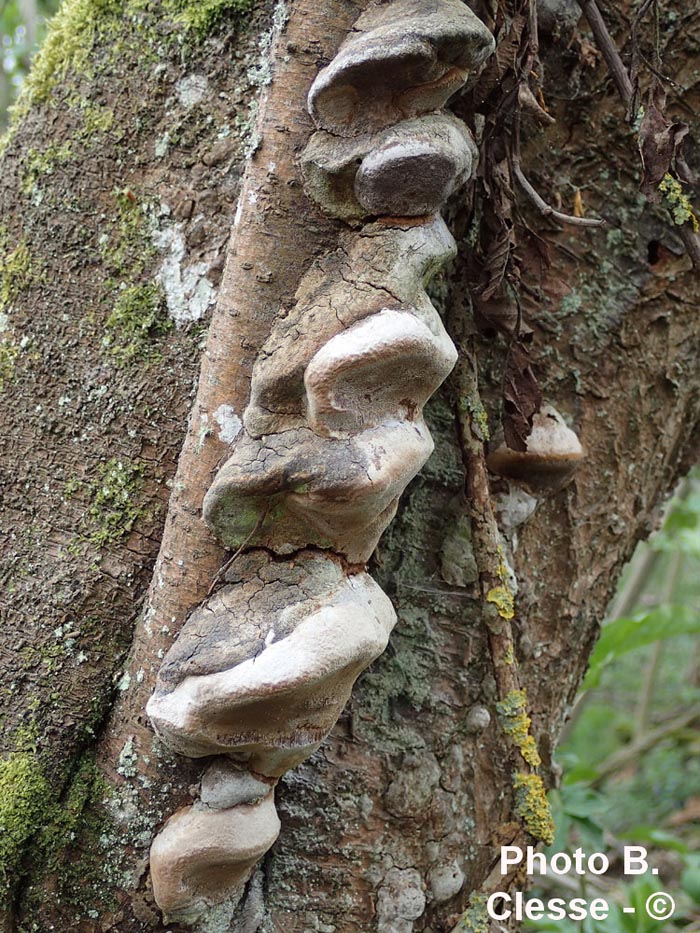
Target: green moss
(475,918)
(79,23)
(202,16)
(66,818)
(115,507)
(68,44)
(137,318)
(677,202)
(9,352)
(532,806)
(97,120)
(38,827)
(23,795)
(16,272)
(127,249)
(71,487)
(41,162)
(515,722)
(146,31)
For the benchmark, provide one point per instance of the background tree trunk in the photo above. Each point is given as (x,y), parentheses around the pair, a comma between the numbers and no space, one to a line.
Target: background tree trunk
(118,190)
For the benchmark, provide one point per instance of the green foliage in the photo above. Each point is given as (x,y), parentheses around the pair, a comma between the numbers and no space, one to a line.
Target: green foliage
(632,759)
(628,634)
(681,531)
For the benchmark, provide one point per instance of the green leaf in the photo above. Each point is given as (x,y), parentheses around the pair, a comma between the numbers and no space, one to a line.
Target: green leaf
(660,839)
(626,634)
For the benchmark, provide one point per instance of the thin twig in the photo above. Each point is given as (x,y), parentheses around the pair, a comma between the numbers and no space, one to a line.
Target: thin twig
(608,49)
(635,749)
(646,695)
(546,209)
(222,570)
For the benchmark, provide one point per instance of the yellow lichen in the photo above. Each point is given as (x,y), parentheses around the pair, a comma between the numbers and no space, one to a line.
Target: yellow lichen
(516,723)
(475,918)
(502,598)
(532,806)
(478,415)
(677,202)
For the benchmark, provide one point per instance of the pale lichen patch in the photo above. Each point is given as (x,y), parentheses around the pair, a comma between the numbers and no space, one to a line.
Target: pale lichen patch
(188,292)
(229,423)
(192,89)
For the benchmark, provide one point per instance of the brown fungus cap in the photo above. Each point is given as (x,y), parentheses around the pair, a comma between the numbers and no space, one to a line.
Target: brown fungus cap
(550,461)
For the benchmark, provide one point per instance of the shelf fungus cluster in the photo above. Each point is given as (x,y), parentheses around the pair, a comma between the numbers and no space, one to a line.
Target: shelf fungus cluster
(332,435)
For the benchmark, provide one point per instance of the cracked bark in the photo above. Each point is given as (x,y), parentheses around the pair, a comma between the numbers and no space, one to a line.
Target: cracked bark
(370,819)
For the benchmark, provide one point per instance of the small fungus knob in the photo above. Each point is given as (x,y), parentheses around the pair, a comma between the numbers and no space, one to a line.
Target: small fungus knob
(550,461)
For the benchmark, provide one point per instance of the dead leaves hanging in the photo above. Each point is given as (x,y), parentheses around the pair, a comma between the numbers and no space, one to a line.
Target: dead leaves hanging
(660,144)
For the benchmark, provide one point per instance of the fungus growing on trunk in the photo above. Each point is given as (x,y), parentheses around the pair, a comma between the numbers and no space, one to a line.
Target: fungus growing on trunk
(552,456)
(332,435)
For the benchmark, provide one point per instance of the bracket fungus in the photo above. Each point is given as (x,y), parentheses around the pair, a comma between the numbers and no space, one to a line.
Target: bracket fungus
(263,681)
(407,170)
(401,59)
(382,369)
(377,269)
(331,436)
(552,455)
(205,854)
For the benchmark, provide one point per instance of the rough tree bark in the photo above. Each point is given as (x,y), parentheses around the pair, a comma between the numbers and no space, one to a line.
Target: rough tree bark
(119,189)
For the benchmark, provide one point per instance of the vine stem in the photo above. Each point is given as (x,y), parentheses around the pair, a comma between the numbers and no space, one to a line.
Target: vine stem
(608,49)
(490,566)
(546,209)
(498,607)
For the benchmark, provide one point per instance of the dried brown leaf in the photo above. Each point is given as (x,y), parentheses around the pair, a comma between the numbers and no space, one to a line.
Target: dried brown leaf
(660,143)
(522,398)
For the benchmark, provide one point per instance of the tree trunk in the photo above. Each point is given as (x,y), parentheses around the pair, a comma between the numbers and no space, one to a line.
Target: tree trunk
(120,184)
